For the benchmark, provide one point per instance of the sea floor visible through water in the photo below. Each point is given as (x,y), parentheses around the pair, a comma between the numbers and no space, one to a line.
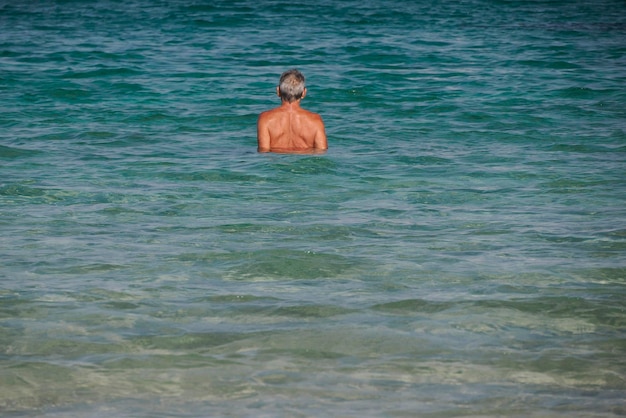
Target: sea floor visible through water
(458,251)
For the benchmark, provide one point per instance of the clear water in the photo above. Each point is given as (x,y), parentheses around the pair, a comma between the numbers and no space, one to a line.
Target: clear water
(459,251)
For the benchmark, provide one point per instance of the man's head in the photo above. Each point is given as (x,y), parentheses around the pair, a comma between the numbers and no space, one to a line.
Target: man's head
(291,86)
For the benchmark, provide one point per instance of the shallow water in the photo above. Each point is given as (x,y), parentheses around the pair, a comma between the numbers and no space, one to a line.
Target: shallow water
(458,251)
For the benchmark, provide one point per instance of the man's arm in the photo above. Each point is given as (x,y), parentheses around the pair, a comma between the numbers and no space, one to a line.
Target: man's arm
(320,136)
(262,134)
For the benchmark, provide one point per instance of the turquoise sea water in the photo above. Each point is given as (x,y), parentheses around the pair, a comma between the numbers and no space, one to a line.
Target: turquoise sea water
(460,250)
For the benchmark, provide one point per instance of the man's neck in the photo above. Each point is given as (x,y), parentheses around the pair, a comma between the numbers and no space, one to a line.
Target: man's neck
(290,106)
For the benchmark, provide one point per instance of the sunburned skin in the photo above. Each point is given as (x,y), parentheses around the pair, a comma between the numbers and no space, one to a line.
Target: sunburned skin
(289,128)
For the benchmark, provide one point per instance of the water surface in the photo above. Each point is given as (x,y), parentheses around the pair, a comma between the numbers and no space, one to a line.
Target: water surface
(458,251)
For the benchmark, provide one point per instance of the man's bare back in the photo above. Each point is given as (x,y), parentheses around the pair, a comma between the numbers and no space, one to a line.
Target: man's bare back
(289,128)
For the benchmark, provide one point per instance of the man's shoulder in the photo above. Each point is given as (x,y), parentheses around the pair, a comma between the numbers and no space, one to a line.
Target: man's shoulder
(268,114)
(316,119)
(311,115)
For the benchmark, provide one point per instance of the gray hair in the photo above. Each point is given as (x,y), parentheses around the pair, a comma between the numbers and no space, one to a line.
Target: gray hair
(291,85)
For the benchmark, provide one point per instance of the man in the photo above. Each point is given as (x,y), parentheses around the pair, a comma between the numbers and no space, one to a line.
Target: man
(289,128)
